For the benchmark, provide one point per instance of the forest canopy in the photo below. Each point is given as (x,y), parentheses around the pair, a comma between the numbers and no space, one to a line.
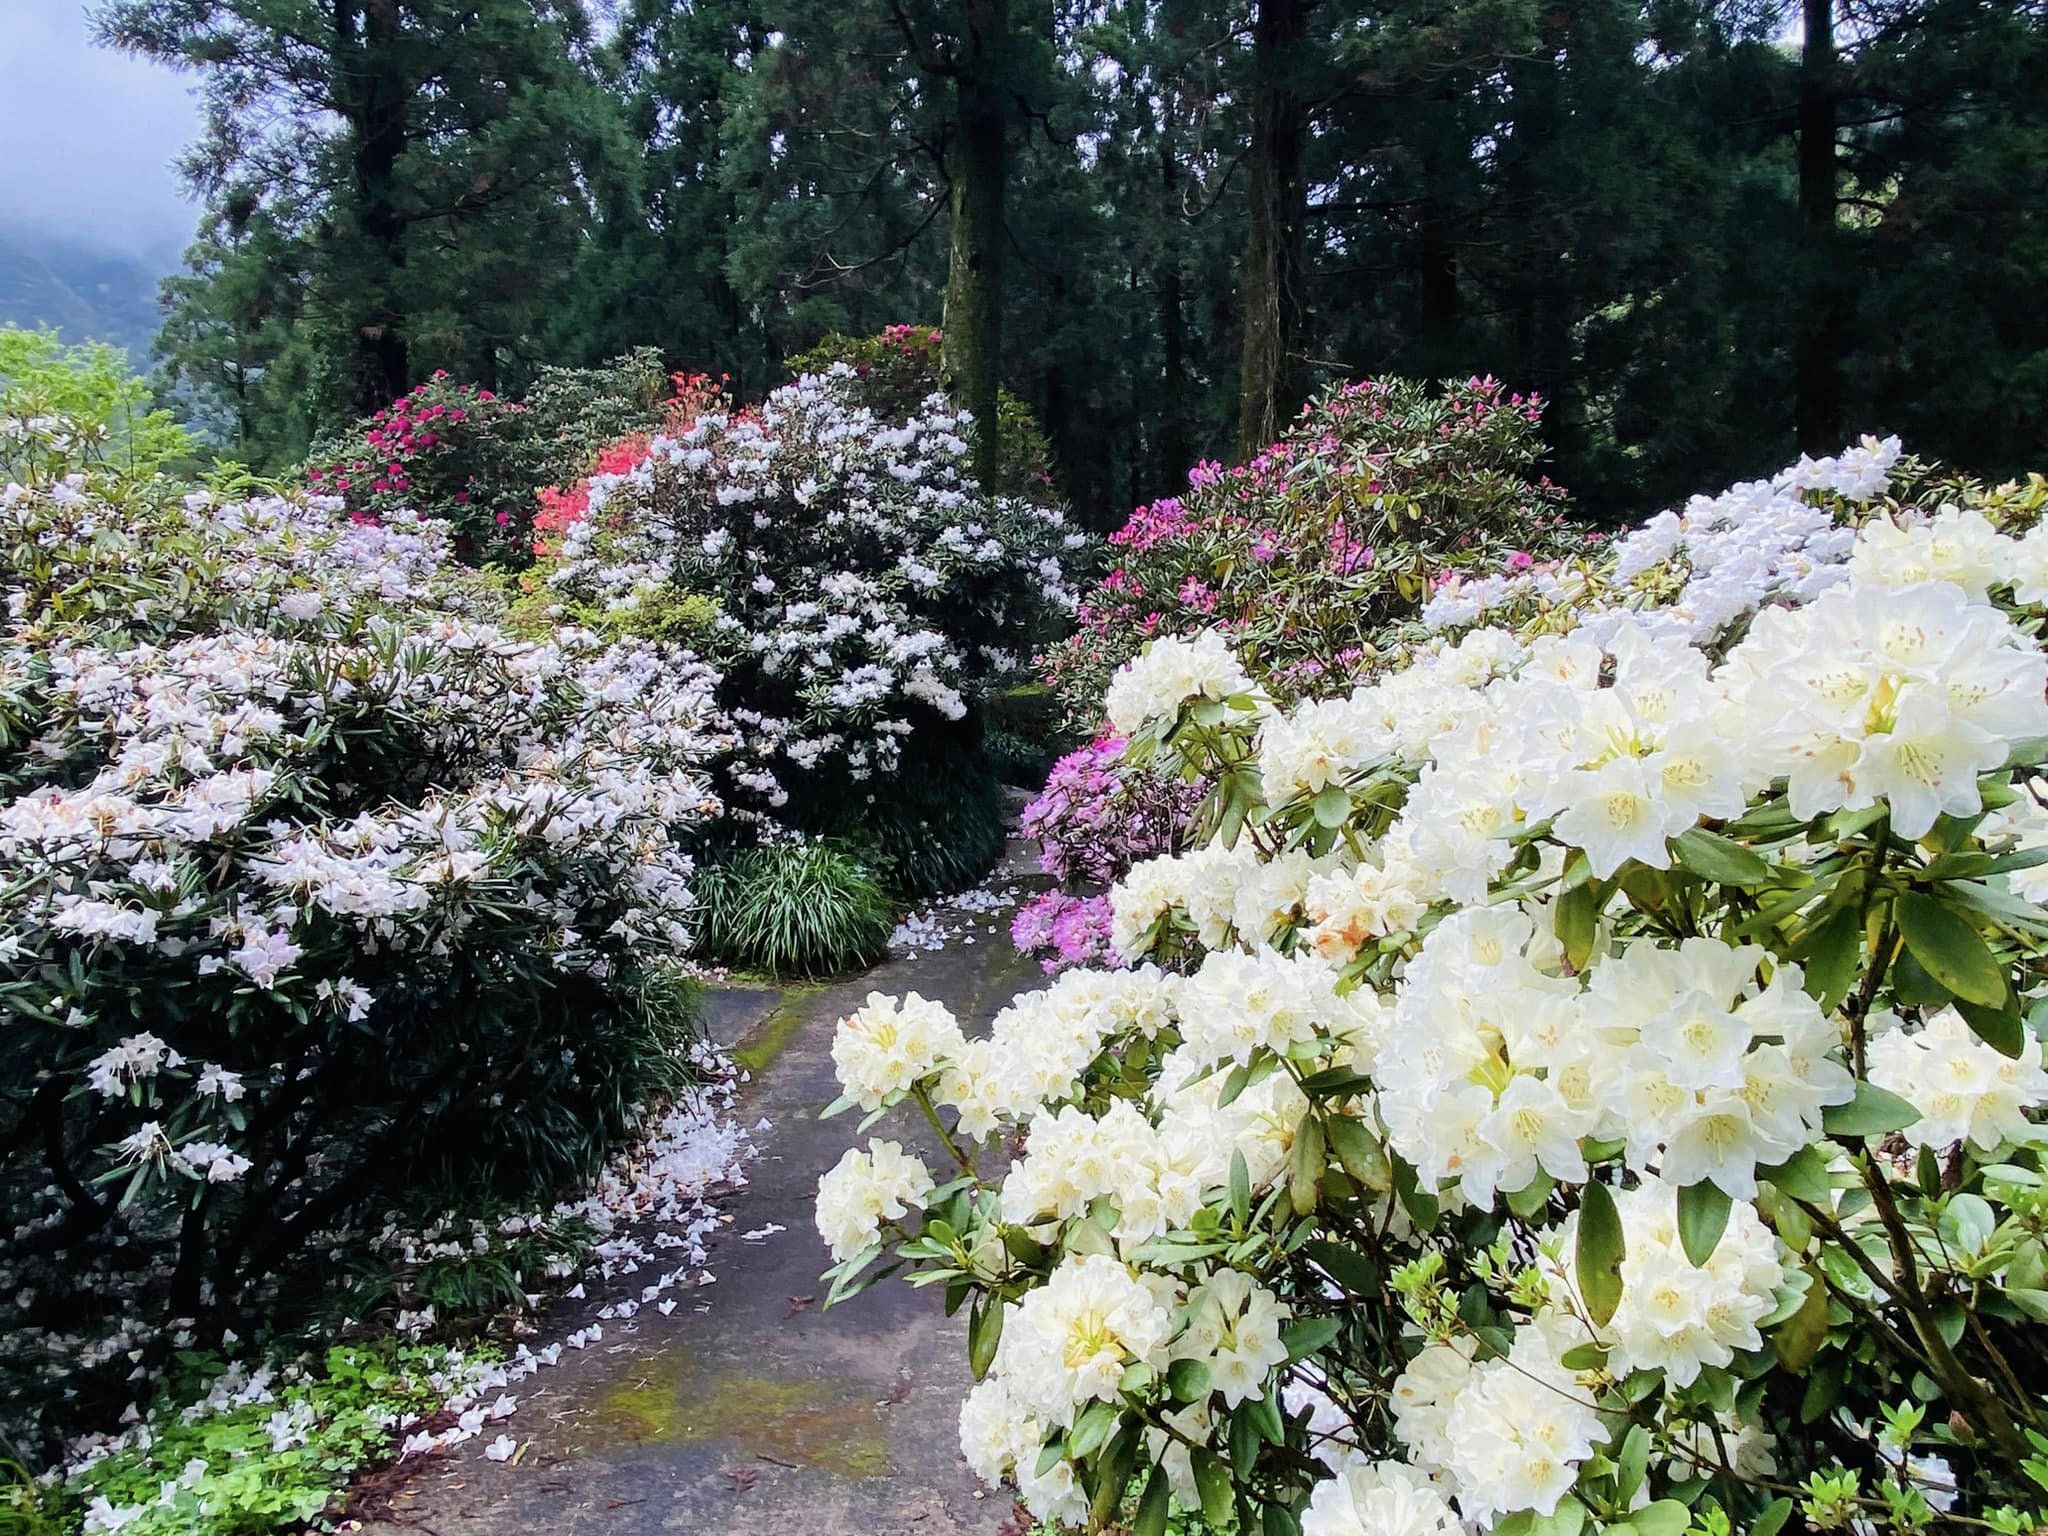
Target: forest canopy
(1709,233)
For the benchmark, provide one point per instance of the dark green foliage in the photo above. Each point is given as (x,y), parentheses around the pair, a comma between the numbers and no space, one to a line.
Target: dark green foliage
(794,909)
(942,826)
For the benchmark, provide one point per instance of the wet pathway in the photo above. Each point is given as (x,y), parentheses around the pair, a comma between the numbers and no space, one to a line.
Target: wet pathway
(757,1414)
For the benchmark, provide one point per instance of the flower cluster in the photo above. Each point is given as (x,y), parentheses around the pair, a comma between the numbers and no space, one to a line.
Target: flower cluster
(314,880)
(1584,1074)
(435,450)
(1092,821)
(864,585)
(1300,556)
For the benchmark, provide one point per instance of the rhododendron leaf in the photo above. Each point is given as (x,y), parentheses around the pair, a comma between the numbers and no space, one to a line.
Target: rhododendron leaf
(1601,1249)
(1999,1028)
(1348,1267)
(1212,1482)
(1091,1430)
(1568,1519)
(1137,1377)
(984,1333)
(1577,920)
(1830,952)
(1702,1217)
(1718,858)
(1791,1296)
(1773,1518)
(1951,949)
(1533,1198)
(1584,1357)
(1279,1520)
(1666,1517)
(1360,1153)
(1803,1176)
(1265,1413)
(1305,1163)
(1306,1335)
(1873,1112)
(1332,807)
(1798,1339)
(1187,1380)
(1113,1472)
(1051,1454)
(1421,1204)
(1152,1506)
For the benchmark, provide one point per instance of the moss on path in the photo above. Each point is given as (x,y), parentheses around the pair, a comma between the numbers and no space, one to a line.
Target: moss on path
(756,1414)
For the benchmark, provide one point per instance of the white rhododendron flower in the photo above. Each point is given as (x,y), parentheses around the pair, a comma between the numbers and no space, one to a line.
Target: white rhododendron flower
(1167,674)
(885,1047)
(1518,1072)
(1378,1498)
(863,1190)
(1964,1089)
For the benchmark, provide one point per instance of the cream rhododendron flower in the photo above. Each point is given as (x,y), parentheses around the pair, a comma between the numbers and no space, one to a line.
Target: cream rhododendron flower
(863,1190)
(886,1046)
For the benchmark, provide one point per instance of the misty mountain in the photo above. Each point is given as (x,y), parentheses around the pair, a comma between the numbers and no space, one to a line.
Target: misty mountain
(85,293)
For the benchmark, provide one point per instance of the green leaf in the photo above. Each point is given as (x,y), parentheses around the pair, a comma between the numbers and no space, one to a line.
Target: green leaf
(1702,1218)
(1720,859)
(1798,1339)
(1360,1153)
(1212,1481)
(984,1332)
(1240,1189)
(1600,1252)
(1091,1430)
(1305,1163)
(1830,952)
(1305,1335)
(1187,1380)
(1348,1267)
(1951,949)
(1873,1112)
(1332,807)
(1773,1518)
(1631,1464)
(1803,1176)
(1666,1517)
(1151,1519)
(1577,919)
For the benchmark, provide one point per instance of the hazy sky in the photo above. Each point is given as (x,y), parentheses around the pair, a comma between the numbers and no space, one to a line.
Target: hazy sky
(87,135)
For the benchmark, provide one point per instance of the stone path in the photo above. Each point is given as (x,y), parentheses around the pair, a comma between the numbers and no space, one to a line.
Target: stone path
(760,1415)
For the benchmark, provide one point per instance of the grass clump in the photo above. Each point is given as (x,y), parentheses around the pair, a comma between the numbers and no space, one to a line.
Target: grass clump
(794,909)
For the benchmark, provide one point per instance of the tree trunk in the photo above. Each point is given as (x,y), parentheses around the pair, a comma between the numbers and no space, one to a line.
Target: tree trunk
(1269,373)
(1817,358)
(971,358)
(380,365)
(1173,425)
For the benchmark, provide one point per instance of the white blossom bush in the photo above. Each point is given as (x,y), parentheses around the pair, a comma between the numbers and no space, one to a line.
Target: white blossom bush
(319,893)
(1589,1076)
(866,588)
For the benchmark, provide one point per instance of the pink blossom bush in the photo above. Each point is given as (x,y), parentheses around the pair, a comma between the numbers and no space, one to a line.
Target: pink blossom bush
(1305,554)
(1094,819)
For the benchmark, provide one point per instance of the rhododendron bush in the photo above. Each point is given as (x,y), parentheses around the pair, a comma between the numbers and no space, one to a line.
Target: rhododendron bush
(1587,1073)
(868,594)
(318,892)
(1304,554)
(1096,816)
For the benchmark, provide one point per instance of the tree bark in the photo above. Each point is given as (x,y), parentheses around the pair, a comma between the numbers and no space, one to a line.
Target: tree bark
(1817,348)
(971,355)
(1173,425)
(380,364)
(1269,372)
